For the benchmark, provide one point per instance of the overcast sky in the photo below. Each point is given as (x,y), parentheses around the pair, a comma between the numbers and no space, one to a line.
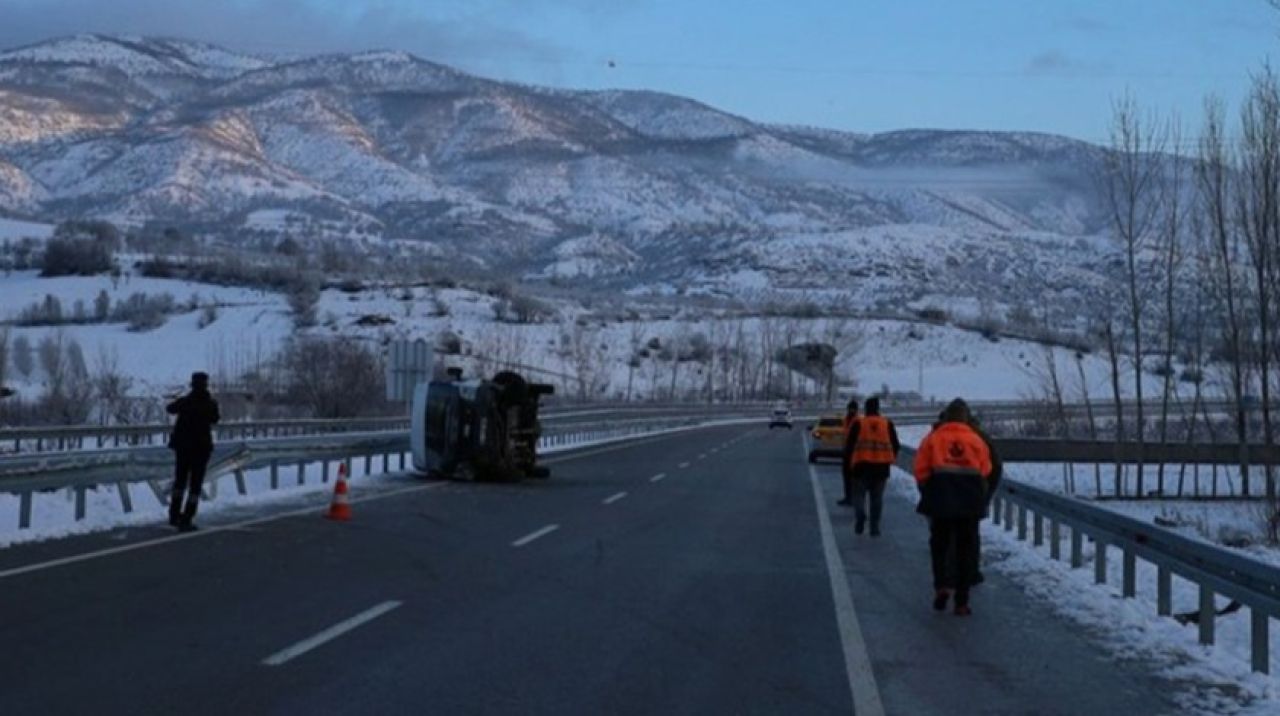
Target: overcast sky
(862,65)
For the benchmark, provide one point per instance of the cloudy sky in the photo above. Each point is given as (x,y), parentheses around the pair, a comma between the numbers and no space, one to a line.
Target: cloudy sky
(864,65)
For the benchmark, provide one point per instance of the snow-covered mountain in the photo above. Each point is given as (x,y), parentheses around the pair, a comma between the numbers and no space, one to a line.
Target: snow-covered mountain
(671,193)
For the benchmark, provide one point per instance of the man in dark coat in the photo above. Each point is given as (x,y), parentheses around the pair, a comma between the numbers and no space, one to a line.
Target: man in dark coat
(192,444)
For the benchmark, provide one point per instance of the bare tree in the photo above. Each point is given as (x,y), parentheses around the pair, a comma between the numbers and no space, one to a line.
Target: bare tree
(1133,184)
(1215,177)
(4,355)
(23,358)
(1259,218)
(1170,242)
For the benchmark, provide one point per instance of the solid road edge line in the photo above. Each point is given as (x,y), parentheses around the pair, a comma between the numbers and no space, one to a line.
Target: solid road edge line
(291,652)
(862,680)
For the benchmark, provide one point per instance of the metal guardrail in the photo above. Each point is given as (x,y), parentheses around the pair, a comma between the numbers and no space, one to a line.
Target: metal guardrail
(82,437)
(1214,569)
(81,471)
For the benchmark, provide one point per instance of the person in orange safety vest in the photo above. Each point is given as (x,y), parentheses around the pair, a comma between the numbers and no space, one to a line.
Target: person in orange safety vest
(952,466)
(870,449)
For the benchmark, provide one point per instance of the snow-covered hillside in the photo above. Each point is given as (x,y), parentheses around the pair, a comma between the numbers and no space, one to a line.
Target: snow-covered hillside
(574,348)
(387,145)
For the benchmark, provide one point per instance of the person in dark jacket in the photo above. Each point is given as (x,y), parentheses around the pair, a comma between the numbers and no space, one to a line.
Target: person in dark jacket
(850,419)
(870,449)
(952,466)
(993,483)
(192,444)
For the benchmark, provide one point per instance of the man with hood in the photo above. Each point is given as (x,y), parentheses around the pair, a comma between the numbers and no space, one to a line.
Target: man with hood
(952,467)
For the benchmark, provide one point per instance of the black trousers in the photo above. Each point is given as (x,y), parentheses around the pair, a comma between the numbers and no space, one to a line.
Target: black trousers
(864,486)
(953,546)
(188,478)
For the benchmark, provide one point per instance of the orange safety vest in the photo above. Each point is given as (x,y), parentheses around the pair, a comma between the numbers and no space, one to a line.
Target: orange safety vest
(952,449)
(873,444)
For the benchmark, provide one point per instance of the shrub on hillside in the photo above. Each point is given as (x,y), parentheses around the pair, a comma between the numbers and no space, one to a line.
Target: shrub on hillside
(76,257)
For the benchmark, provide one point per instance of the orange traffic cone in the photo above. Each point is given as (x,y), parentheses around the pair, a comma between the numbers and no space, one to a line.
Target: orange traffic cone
(340,508)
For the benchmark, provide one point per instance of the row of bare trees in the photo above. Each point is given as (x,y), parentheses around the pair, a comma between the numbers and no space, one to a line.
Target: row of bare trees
(1196,226)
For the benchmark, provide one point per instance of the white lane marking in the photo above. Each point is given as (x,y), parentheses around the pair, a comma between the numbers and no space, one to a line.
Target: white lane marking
(535,535)
(238,526)
(333,632)
(862,681)
(683,465)
(658,477)
(204,532)
(613,498)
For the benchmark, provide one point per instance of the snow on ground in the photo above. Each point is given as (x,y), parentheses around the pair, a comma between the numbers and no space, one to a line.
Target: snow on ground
(14,229)
(250,323)
(1210,680)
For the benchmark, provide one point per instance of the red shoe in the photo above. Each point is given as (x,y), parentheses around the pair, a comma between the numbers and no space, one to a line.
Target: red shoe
(940,598)
(963,610)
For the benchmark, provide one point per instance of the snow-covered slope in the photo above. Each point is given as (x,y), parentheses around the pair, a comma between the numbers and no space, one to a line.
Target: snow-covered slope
(502,175)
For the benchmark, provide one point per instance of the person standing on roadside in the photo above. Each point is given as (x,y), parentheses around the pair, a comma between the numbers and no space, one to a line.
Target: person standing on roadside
(952,467)
(870,449)
(850,420)
(192,444)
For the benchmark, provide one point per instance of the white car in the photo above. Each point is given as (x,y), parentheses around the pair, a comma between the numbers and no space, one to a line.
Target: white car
(780,418)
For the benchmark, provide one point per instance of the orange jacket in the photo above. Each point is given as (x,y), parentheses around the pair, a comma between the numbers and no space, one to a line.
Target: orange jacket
(952,466)
(873,445)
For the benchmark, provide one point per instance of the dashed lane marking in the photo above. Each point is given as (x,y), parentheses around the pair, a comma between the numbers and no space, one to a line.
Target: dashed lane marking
(658,478)
(683,465)
(536,534)
(613,498)
(285,655)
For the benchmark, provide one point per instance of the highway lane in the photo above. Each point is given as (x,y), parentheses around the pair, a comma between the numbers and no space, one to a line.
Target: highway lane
(704,592)
(684,574)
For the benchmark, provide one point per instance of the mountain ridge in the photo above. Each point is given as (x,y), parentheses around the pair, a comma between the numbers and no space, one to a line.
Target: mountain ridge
(387,145)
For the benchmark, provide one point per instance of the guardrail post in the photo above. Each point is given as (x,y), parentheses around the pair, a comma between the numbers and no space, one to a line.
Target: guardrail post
(1008,515)
(275,474)
(1260,643)
(240,486)
(1099,561)
(80,507)
(1022,523)
(995,509)
(1207,614)
(1055,540)
(402,458)
(24,510)
(1037,532)
(1077,547)
(368,464)
(126,500)
(302,474)
(1130,584)
(324,471)
(386,462)
(1164,591)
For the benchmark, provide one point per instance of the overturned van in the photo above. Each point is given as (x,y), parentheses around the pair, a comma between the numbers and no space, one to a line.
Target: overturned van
(478,429)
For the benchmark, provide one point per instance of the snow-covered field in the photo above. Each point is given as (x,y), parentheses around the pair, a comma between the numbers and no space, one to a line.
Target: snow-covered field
(14,229)
(937,361)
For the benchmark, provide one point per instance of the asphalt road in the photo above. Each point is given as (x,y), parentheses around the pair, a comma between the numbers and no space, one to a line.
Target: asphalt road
(605,590)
